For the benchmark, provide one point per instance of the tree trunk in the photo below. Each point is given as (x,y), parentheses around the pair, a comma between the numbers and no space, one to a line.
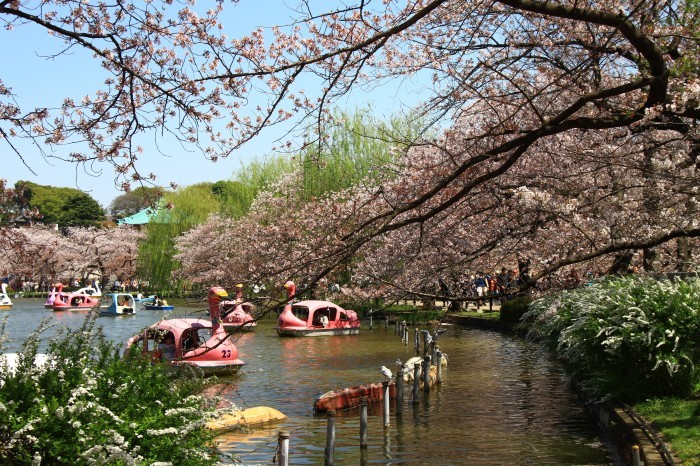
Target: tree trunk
(682,254)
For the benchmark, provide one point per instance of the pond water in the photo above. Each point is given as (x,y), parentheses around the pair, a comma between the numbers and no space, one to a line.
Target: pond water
(501,401)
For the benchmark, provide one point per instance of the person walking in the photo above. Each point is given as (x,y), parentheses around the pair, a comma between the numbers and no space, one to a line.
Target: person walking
(481,289)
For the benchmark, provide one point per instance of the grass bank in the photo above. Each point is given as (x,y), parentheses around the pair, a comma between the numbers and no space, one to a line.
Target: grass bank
(678,422)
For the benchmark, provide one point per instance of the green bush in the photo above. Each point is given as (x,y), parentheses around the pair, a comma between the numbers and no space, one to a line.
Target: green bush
(514,309)
(88,405)
(628,337)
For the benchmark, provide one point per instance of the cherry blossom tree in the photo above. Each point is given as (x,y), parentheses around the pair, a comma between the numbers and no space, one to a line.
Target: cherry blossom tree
(110,252)
(569,127)
(40,254)
(47,255)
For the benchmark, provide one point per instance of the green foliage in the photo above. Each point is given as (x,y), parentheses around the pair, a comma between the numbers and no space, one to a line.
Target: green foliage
(81,210)
(629,337)
(419,316)
(191,206)
(63,206)
(358,148)
(514,309)
(88,405)
(235,197)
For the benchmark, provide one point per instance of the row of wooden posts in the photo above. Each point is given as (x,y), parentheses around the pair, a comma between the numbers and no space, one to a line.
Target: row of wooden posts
(431,353)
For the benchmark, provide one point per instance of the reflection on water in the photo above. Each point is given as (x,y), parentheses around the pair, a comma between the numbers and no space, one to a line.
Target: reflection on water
(500,401)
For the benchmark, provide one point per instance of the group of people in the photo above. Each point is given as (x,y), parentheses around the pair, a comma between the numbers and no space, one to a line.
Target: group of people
(158,301)
(502,285)
(481,287)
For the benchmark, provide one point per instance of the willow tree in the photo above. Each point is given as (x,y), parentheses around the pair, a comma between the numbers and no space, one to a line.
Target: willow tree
(189,206)
(357,147)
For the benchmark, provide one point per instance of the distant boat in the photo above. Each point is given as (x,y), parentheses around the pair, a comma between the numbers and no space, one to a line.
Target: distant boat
(157,304)
(91,291)
(5,301)
(153,307)
(235,314)
(75,302)
(316,318)
(117,304)
(56,292)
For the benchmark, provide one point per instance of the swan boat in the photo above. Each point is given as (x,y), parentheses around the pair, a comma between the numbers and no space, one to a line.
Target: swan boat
(118,304)
(5,301)
(199,345)
(75,302)
(94,291)
(316,318)
(237,316)
(56,291)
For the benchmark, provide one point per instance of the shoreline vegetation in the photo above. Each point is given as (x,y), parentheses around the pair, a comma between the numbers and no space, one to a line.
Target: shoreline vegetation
(632,339)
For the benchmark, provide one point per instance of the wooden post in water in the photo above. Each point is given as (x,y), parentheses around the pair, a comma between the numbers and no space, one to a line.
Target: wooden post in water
(387,404)
(426,374)
(283,448)
(438,359)
(416,382)
(363,422)
(386,322)
(396,326)
(399,390)
(426,344)
(370,321)
(416,340)
(330,439)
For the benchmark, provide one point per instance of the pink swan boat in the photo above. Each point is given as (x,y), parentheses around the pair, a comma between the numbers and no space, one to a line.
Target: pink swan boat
(315,318)
(56,289)
(195,344)
(235,313)
(74,301)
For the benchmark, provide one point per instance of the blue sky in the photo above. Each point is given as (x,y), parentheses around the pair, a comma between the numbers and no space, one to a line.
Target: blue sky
(44,82)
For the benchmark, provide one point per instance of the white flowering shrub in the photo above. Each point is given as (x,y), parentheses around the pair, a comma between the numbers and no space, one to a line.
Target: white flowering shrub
(629,337)
(88,405)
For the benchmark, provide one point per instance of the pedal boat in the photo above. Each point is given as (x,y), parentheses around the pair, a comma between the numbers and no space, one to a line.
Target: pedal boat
(117,304)
(237,316)
(316,318)
(200,345)
(75,302)
(154,307)
(5,301)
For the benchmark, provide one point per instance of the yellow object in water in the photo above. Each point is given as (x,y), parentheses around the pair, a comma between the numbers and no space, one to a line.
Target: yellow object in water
(247,417)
